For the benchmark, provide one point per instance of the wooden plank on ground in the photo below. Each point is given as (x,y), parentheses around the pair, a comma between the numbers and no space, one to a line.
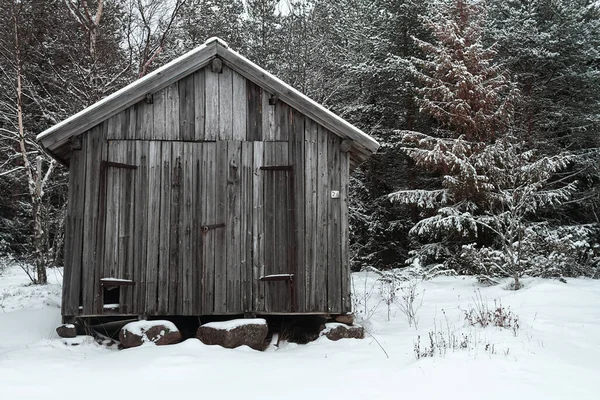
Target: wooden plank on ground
(240,107)
(310,215)
(226,104)
(334,266)
(211,98)
(187,129)
(199,105)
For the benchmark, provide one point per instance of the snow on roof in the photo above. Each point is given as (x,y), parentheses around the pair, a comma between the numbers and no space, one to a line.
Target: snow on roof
(58,135)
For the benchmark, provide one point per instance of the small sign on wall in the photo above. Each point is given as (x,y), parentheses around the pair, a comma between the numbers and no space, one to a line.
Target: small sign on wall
(335,194)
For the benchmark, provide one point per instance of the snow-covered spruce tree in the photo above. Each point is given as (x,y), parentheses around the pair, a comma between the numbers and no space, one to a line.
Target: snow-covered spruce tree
(491,181)
(471,99)
(552,49)
(33,165)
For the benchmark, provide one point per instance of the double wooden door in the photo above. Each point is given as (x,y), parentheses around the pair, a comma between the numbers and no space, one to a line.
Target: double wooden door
(196,225)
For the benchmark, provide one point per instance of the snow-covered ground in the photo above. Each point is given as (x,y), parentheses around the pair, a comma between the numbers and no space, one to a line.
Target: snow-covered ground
(554,355)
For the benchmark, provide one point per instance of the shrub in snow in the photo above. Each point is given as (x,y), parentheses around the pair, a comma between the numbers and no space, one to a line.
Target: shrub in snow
(158,332)
(440,341)
(480,314)
(399,288)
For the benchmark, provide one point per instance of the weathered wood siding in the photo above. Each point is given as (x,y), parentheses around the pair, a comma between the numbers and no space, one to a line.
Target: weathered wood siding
(200,192)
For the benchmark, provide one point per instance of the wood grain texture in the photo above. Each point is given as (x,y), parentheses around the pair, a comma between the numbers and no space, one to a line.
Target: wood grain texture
(172,125)
(127,226)
(310,214)
(175,206)
(308,107)
(131,123)
(164,240)
(268,117)
(199,105)
(233,227)
(211,98)
(296,148)
(99,178)
(74,236)
(154,227)
(187,223)
(276,214)
(90,257)
(254,121)
(283,121)
(141,230)
(208,236)
(257,227)
(240,107)
(246,265)
(111,227)
(321,221)
(334,270)
(220,216)
(158,122)
(226,104)
(134,93)
(187,107)
(198,211)
(344,229)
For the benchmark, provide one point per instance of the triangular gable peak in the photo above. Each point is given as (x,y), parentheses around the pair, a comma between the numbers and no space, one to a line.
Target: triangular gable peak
(58,139)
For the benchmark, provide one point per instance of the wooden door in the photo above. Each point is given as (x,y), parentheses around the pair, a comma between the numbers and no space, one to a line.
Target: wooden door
(278,230)
(116,229)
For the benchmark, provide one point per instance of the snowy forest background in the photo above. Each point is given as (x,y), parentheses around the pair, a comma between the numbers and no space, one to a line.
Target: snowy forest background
(488,113)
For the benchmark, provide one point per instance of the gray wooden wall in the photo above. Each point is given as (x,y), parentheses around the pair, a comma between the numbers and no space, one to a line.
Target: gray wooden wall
(226,188)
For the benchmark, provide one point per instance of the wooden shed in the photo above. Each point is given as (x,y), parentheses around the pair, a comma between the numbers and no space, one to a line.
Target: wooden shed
(208,187)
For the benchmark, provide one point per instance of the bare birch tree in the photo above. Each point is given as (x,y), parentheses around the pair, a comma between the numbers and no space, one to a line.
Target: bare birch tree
(35,166)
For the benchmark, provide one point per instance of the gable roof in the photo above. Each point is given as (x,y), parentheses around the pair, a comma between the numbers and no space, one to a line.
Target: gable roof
(361,144)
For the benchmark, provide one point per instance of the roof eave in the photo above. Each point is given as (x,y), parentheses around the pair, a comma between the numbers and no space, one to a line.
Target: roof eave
(89,117)
(294,98)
